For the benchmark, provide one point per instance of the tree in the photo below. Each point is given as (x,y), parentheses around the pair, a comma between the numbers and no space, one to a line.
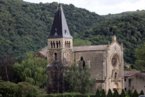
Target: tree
(8,89)
(116,94)
(97,93)
(135,94)
(78,80)
(22,89)
(141,92)
(122,94)
(32,69)
(140,56)
(129,93)
(102,93)
(109,93)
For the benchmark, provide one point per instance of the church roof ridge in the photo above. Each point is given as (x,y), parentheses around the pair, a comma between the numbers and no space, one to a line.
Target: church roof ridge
(89,48)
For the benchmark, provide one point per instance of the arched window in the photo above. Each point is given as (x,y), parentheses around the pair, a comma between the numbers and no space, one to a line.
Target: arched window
(57,44)
(82,63)
(65,43)
(51,44)
(69,44)
(115,76)
(55,56)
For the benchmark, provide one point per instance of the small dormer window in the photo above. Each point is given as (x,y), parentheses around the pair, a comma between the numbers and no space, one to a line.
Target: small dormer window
(65,31)
(55,30)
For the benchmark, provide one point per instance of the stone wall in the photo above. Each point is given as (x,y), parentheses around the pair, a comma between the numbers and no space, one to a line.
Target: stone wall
(93,60)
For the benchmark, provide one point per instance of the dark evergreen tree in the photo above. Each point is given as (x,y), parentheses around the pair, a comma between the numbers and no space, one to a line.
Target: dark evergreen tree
(129,93)
(122,94)
(116,94)
(102,93)
(109,93)
(97,93)
(135,94)
(141,93)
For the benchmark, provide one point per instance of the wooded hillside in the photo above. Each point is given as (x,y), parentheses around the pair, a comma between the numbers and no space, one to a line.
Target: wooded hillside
(25,27)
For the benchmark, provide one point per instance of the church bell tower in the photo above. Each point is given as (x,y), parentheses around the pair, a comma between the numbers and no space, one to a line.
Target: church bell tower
(60,41)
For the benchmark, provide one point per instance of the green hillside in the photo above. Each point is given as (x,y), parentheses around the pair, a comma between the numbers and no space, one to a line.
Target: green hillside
(129,27)
(25,27)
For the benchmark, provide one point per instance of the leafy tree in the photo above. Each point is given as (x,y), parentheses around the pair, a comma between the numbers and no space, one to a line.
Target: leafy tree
(8,89)
(22,89)
(32,70)
(78,80)
(140,56)
(78,42)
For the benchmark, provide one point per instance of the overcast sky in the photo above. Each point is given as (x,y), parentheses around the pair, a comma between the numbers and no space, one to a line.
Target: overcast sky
(102,7)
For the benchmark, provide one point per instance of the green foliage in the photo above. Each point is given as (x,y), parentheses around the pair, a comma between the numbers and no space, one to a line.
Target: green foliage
(79,42)
(25,26)
(115,94)
(135,94)
(102,93)
(97,93)
(8,89)
(123,94)
(68,95)
(140,57)
(128,27)
(109,93)
(141,92)
(129,93)
(32,69)
(22,89)
(78,80)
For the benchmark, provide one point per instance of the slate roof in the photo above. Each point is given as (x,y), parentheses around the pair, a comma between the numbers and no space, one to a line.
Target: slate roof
(91,48)
(130,73)
(59,28)
(134,74)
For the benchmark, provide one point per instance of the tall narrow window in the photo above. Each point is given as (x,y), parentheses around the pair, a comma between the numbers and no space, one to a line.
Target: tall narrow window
(129,82)
(82,63)
(69,44)
(57,44)
(51,44)
(115,76)
(55,56)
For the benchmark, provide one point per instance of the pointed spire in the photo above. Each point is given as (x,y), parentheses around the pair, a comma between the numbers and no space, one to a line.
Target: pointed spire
(59,28)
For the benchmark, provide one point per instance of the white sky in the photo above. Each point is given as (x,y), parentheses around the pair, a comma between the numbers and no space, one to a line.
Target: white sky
(102,7)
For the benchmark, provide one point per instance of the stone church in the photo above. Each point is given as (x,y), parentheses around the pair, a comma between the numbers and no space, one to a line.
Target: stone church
(105,62)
